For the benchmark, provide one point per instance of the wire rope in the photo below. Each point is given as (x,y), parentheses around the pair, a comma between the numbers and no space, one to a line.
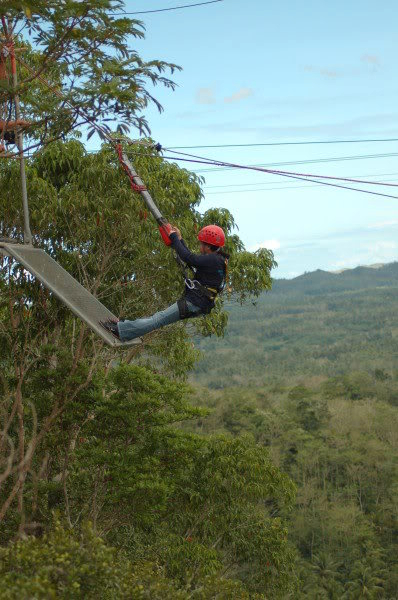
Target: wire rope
(209,161)
(300,177)
(157,10)
(273,182)
(318,179)
(303,143)
(268,189)
(306,162)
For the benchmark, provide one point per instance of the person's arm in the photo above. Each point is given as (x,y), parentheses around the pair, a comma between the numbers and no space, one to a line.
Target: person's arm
(191,259)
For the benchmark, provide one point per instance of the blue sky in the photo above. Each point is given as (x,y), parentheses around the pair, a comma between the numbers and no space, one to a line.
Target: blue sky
(265,72)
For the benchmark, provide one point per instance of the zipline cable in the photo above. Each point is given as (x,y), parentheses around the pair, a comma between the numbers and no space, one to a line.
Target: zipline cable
(157,10)
(303,143)
(209,161)
(307,161)
(261,187)
(273,182)
(194,158)
(299,177)
(135,181)
(268,189)
(79,111)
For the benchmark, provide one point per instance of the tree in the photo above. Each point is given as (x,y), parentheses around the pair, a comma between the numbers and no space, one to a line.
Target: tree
(82,70)
(326,569)
(84,215)
(85,430)
(198,504)
(364,584)
(67,564)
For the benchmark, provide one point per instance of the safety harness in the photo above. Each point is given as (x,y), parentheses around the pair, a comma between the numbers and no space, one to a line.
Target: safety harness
(193,284)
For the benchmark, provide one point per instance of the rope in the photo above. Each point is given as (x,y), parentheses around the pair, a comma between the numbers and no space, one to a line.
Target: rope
(157,10)
(202,160)
(301,177)
(276,171)
(304,143)
(135,186)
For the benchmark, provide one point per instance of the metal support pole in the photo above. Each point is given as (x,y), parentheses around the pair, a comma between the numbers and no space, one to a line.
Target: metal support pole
(27,234)
(144,193)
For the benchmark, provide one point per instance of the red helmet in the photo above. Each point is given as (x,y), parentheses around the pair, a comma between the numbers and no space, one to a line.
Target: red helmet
(212,234)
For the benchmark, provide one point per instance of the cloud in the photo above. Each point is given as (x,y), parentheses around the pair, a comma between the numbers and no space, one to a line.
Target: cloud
(269,244)
(241,94)
(371,60)
(309,102)
(373,253)
(196,114)
(383,224)
(383,247)
(345,249)
(364,235)
(205,96)
(329,73)
(377,124)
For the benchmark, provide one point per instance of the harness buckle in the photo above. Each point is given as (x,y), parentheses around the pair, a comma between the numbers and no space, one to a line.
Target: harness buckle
(190,284)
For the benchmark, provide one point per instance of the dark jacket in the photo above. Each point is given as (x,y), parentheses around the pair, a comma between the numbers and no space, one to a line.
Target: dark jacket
(210,271)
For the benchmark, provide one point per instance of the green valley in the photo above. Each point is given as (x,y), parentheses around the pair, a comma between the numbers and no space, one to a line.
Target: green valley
(319,324)
(311,374)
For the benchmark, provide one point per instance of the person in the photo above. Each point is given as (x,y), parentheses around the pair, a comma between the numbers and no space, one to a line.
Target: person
(209,267)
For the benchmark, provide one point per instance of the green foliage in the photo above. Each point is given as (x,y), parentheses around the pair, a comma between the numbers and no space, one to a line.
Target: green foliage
(181,505)
(195,506)
(93,435)
(71,565)
(192,502)
(342,454)
(64,564)
(311,412)
(300,328)
(84,214)
(82,51)
(103,441)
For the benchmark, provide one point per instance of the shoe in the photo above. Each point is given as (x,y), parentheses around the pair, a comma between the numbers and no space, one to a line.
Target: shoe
(111,326)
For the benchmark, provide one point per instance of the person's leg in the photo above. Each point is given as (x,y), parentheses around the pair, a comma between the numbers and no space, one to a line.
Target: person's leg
(128,330)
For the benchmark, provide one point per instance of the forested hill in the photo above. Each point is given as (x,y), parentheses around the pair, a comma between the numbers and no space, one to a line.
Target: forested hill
(319,323)
(322,282)
(311,373)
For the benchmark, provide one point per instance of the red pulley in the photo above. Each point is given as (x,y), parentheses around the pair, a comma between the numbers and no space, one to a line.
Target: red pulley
(165,230)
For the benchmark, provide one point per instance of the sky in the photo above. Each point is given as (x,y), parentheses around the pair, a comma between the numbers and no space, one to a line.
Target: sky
(266,72)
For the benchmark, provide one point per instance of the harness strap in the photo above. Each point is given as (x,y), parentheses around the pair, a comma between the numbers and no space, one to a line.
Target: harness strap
(210,293)
(183,308)
(193,284)
(185,312)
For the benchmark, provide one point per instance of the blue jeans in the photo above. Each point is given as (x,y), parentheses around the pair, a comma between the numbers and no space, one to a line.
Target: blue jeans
(128,330)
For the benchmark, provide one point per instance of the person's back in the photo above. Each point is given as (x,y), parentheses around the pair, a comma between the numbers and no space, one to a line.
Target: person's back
(209,271)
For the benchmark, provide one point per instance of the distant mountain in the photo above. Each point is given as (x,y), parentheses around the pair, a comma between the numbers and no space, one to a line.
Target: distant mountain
(317,324)
(374,266)
(320,281)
